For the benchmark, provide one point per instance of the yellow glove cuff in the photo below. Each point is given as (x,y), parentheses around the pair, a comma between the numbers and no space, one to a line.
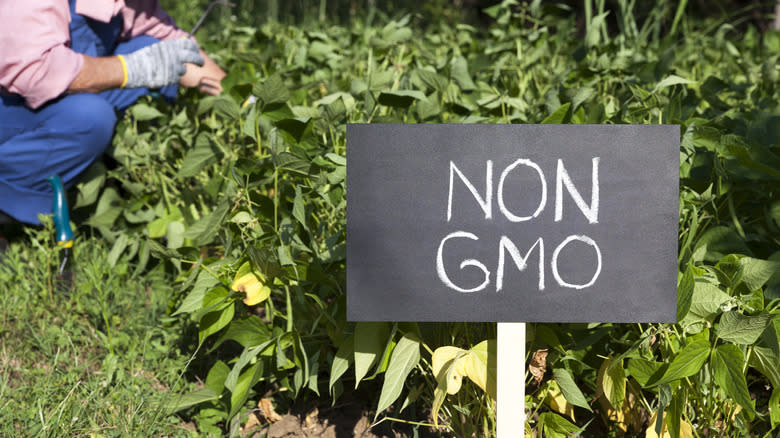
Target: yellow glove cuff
(124,70)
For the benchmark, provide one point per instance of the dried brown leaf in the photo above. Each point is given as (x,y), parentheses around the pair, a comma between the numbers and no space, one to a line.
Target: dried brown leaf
(538,365)
(312,419)
(267,411)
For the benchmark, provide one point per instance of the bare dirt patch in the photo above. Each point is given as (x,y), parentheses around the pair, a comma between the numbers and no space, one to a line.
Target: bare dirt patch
(346,419)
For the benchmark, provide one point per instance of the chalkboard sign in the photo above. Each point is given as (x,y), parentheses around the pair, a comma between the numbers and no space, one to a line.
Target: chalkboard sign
(512,223)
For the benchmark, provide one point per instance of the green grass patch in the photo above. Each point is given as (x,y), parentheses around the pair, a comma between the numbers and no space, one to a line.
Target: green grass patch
(88,353)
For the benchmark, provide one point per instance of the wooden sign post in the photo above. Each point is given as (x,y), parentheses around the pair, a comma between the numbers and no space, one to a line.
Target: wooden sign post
(510,403)
(515,224)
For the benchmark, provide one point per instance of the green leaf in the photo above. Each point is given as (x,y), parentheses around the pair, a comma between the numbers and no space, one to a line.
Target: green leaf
(295,126)
(674,413)
(116,250)
(205,230)
(203,154)
(109,208)
(144,112)
(344,357)
(320,51)
(288,161)
(685,294)
(570,390)
(756,272)
(593,33)
(740,329)
(226,107)
(371,338)
(90,184)
(767,362)
(285,258)
(249,355)
(706,302)
(396,35)
(250,125)
(194,300)
(460,73)
(432,80)
(581,96)
(405,357)
(721,241)
(245,381)
(175,234)
(249,332)
(384,360)
(555,426)
(273,93)
(314,371)
(746,159)
(162,252)
(217,376)
(642,369)
(242,217)
(400,98)
(191,399)
(685,363)
(664,399)
(336,159)
(558,116)
(672,80)
(299,210)
(774,407)
(727,361)
(215,320)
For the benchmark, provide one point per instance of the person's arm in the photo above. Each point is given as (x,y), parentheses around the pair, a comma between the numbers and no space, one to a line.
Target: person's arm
(105,73)
(35,61)
(98,74)
(153,66)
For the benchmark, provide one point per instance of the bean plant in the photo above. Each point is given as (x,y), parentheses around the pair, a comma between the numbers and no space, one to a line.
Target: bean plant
(242,198)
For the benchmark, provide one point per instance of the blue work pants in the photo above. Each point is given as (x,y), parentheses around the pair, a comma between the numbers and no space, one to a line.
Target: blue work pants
(64,136)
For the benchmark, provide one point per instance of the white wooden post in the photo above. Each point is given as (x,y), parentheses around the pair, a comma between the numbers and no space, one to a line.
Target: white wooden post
(510,380)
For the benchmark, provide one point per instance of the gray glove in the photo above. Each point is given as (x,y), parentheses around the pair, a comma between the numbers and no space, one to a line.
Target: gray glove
(161,63)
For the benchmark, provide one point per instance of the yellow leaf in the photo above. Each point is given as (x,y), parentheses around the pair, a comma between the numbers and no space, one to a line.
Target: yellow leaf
(686,431)
(252,283)
(450,364)
(448,367)
(628,418)
(631,413)
(612,416)
(441,356)
(443,364)
(476,367)
(611,383)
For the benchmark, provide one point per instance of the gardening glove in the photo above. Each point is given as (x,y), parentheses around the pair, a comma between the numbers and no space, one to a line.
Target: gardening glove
(160,64)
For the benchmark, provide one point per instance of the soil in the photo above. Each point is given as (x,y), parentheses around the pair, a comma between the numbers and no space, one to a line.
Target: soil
(346,419)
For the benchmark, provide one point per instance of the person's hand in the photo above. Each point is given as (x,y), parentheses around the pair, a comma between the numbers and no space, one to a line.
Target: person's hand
(160,64)
(206,77)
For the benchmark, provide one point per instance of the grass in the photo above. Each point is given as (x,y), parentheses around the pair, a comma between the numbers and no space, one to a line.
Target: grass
(90,353)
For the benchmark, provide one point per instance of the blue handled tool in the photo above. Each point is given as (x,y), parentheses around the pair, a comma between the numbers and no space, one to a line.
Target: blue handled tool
(61,219)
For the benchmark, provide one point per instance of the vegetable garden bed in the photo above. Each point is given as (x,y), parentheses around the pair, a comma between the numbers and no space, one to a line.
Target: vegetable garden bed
(241,200)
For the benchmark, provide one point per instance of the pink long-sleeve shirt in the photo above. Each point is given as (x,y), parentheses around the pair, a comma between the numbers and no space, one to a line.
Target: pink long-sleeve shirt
(36,61)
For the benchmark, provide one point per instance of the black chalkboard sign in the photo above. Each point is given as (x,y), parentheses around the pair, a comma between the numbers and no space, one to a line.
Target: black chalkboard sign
(512,223)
